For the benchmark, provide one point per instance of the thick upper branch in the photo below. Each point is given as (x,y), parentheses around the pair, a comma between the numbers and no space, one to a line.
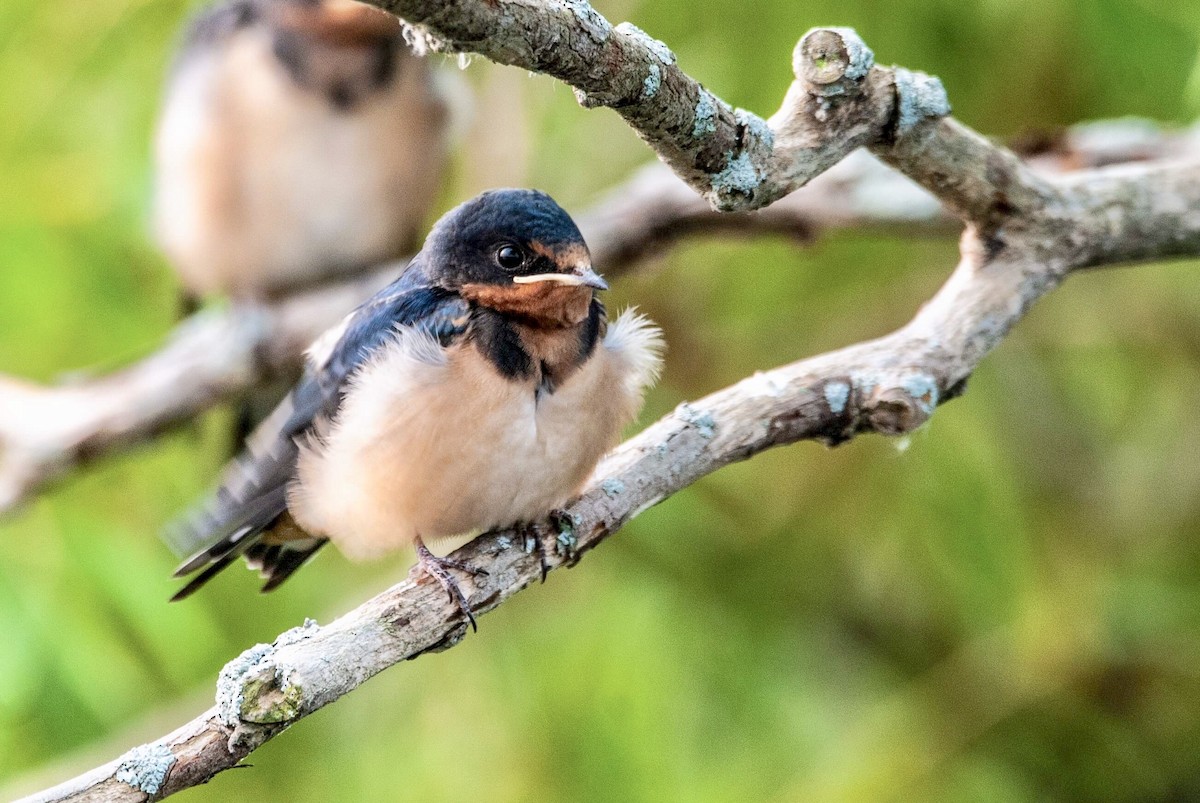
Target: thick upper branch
(981,182)
(732,157)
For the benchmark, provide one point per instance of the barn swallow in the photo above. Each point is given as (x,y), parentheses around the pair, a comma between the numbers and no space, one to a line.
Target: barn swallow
(477,391)
(298,139)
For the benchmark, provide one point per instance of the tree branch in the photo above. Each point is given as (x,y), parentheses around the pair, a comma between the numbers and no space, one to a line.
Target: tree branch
(735,159)
(838,101)
(1025,233)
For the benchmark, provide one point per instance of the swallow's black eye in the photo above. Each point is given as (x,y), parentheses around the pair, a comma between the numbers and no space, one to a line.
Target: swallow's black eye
(509,257)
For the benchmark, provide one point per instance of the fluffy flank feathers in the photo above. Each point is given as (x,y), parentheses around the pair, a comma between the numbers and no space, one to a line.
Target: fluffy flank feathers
(636,340)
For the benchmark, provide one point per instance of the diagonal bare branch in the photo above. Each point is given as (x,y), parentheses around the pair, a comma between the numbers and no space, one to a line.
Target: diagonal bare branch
(215,354)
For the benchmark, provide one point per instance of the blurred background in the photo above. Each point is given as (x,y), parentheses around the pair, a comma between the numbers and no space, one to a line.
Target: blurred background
(1004,607)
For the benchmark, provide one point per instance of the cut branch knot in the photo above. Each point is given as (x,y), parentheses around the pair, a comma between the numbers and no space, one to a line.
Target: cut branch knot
(902,408)
(833,61)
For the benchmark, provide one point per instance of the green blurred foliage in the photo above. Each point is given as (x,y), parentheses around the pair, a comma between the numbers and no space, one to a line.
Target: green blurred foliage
(1005,606)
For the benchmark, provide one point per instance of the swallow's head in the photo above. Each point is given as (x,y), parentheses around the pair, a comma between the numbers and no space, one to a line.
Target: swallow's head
(518,252)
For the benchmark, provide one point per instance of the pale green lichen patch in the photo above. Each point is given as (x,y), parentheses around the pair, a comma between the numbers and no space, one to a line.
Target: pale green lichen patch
(756,126)
(269,698)
(866,383)
(593,22)
(565,543)
(737,181)
(243,683)
(307,630)
(702,420)
(145,767)
(706,115)
(612,487)
(652,82)
(837,395)
(861,57)
(924,391)
(230,696)
(658,48)
(567,523)
(918,97)
(291,704)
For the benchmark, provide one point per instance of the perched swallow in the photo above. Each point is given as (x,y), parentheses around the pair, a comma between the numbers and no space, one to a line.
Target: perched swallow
(299,139)
(477,391)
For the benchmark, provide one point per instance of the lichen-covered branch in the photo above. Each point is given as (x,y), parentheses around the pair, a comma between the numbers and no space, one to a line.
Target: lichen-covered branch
(734,158)
(45,432)
(838,101)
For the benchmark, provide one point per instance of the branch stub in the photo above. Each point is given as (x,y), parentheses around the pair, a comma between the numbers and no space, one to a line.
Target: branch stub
(832,61)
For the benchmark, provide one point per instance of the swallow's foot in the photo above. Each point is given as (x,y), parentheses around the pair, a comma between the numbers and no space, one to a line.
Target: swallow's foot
(561,532)
(439,569)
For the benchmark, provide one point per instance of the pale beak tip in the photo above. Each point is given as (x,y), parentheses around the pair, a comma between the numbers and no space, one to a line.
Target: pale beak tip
(589,278)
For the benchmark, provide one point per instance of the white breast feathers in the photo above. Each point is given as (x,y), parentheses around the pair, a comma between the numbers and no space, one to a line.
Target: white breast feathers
(435,442)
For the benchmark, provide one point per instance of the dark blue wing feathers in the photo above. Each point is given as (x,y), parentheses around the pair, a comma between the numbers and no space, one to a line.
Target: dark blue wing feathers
(437,311)
(253,494)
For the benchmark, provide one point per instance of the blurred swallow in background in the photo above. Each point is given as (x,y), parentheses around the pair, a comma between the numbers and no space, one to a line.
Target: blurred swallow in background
(477,391)
(299,139)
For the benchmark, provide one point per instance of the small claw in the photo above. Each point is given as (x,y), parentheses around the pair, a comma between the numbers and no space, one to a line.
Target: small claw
(532,535)
(437,568)
(564,538)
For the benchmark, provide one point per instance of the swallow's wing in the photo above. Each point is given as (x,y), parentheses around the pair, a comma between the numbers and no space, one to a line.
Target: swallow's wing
(247,514)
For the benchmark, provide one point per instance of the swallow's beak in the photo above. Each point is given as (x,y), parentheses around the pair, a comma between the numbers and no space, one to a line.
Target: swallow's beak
(589,278)
(581,276)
